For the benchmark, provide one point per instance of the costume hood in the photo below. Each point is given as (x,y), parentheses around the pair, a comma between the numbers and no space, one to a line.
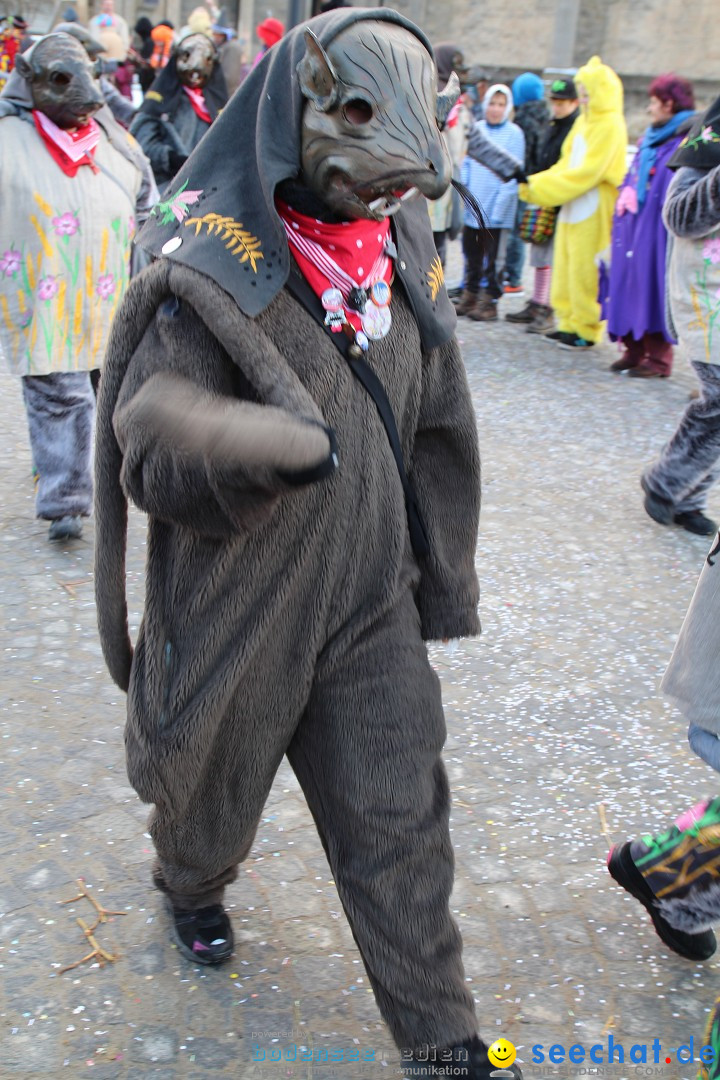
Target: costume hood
(16,100)
(701,147)
(220,218)
(603,87)
(499,88)
(527,87)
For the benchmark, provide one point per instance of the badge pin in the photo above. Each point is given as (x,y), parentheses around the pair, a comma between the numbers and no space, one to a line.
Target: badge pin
(332,300)
(380,293)
(376,321)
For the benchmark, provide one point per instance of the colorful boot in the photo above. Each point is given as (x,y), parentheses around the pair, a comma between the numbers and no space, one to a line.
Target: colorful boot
(676,877)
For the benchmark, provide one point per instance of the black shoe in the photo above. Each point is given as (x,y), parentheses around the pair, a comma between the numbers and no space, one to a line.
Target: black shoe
(205,935)
(659,509)
(468,1061)
(574,341)
(692,946)
(696,522)
(558,336)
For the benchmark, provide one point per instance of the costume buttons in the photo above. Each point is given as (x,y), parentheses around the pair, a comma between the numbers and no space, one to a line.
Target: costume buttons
(171,245)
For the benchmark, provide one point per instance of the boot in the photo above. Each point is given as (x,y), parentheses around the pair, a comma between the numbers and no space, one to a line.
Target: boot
(675,877)
(543,323)
(526,315)
(712,1038)
(485,309)
(633,355)
(469,1061)
(65,528)
(466,302)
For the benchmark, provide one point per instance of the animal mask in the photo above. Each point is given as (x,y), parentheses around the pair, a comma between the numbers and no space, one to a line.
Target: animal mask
(196,57)
(372,120)
(62,79)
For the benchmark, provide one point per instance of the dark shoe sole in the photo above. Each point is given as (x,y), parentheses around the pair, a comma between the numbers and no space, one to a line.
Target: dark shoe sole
(690,946)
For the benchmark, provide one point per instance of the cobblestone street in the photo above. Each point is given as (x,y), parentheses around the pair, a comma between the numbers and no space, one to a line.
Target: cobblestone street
(557,745)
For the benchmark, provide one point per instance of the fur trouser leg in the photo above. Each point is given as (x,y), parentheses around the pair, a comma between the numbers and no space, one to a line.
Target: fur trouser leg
(682,867)
(689,464)
(367,754)
(61,420)
(365,745)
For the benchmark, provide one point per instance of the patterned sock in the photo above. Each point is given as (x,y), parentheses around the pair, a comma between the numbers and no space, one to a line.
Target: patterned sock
(541,290)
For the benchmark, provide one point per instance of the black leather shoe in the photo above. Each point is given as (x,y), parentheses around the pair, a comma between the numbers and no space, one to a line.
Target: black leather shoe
(692,946)
(469,1061)
(696,522)
(205,935)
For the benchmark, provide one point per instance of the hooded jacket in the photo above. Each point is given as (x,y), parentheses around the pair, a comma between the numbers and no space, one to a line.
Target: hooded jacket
(497,197)
(592,161)
(531,116)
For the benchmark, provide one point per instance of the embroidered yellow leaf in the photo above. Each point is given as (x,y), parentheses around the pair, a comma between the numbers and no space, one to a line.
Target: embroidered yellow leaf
(44,206)
(30,271)
(6,313)
(104,250)
(41,234)
(153,95)
(238,240)
(77,321)
(435,277)
(61,301)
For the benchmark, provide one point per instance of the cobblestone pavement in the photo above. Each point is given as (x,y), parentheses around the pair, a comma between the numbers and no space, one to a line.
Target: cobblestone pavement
(556,743)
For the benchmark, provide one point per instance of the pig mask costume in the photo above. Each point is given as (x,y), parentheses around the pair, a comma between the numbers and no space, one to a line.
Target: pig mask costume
(286,604)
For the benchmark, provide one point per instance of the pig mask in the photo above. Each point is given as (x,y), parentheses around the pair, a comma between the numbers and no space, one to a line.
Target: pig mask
(62,79)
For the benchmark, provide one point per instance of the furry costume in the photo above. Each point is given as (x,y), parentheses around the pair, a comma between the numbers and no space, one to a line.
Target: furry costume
(66,242)
(584,183)
(285,616)
(690,463)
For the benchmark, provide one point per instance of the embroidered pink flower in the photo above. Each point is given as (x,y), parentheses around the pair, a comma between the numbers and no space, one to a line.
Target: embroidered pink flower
(131,225)
(105,286)
(10,263)
(47,287)
(707,134)
(711,250)
(65,225)
(26,318)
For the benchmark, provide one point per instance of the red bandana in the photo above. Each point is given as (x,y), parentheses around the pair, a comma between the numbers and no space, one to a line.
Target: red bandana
(339,256)
(197,100)
(70,149)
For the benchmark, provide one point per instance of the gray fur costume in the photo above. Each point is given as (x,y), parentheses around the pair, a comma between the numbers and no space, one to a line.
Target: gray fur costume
(689,464)
(285,616)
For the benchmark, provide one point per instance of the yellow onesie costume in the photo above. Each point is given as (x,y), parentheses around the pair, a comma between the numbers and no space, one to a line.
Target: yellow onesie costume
(584,184)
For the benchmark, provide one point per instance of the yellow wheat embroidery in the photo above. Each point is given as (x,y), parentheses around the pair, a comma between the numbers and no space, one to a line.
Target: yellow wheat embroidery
(6,313)
(42,237)
(44,206)
(435,277)
(699,323)
(104,250)
(77,321)
(61,301)
(239,240)
(30,271)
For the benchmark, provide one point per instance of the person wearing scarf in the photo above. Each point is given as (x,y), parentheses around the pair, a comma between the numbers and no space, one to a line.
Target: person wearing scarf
(677,486)
(289,594)
(636,302)
(75,185)
(179,107)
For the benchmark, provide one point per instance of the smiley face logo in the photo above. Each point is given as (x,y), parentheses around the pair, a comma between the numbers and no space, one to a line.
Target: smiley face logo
(501,1053)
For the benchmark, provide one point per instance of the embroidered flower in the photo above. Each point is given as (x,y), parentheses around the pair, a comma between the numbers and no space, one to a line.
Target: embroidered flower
(65,225)
(131,225)
(711,250)
(105,286)
(25,318)
(707,134)
(47,287)
(10,263)
(177,205)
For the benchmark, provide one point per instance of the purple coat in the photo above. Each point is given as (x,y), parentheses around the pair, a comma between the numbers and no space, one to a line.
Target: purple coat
(636,301)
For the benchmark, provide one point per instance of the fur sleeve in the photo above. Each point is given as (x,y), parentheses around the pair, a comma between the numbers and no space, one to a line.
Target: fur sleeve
(692,203)
(196,454)
(446,476)
(488,153)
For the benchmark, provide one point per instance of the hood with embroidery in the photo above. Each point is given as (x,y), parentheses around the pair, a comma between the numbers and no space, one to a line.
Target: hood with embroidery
(219,216)
(603,87)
